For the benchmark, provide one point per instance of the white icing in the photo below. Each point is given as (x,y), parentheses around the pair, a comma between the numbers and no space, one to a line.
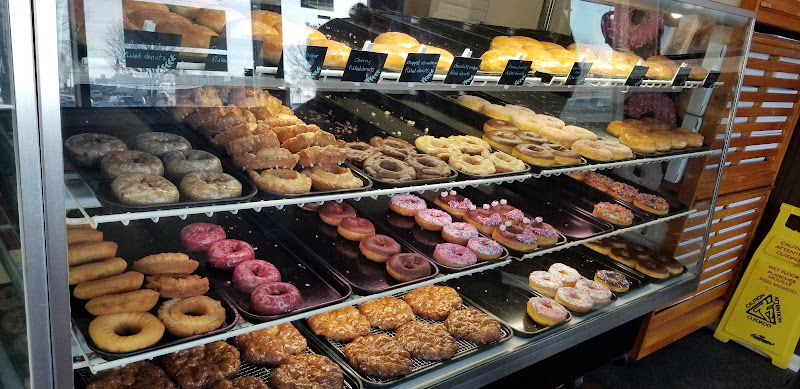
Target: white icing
(503,201)
(485,206)
(503,227)
(452,192)
(539,219)
(526,220)
(494,203)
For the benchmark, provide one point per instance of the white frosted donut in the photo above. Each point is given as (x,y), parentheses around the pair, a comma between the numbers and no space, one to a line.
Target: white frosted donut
(598,292)
(568,275)
(574,299)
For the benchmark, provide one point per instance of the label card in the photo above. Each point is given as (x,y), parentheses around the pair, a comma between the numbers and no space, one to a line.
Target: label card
(462,71)
(681,76)
(515,72)
(711,78)
(315,57)
(134,37)
(546,77)
(217,63)
(151,59)
(637,75)
(578,73)
(364,66)
(419,67)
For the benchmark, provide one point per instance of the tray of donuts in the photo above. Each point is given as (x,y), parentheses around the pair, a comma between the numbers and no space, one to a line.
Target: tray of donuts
(628,192)
(129,168)
(363,254)
(651,136)
(278,356)
(627,255)
(254,264)
(393,338)
(154,299)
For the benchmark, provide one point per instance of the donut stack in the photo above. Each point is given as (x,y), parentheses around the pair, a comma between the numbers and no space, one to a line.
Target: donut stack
(469,154)
(394,160)
(265,138)
(650,135)
(656,265)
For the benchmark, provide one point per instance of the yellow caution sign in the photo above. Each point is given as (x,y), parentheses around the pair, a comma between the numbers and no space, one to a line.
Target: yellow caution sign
(765,310)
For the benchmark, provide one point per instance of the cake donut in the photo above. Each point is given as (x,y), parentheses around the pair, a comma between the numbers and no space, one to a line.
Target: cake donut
(332,212)
(428,166)
(406,204)
(249,275)
(89,148)
(118,163)
(504,163)
(184,317)
(515,237)
(545,283)
(454,255)
(546,235)
(613,213)
(378,247)
(598,292)
(177,285)
(160,143)
(484,248)
(275,298)
(612,280)
(485,220)
(144,189)
(568,275)
(165,263)
(125,332)
(574,299)
(651,203)
(203,186)
(453,203)
(198,237)
(226,254)
(507,212)
(459,233)
(355,228)
(405,267)
(432,219)
(546,311)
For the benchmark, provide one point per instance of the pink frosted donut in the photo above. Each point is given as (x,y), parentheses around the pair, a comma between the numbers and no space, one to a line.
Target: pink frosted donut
(432,219)
(248,275)
(275,298)
(459,233)
(406,204)
(568,275)
(484,248)
(228,253)
(507,212)
(198,236)
(574,299)
(546,311)
(598,292)
(454,255)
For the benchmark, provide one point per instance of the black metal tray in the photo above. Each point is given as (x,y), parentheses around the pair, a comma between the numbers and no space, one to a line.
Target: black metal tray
(608,261)
(588,266)
(675,206)
(317,285)
(334,349)
(339,255)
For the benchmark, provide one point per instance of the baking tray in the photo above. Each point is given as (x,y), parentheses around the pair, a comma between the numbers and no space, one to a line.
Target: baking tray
(675,206)
(422,241)
(118,122)
(146,243)
(465,348)
(507,301)
(588,266)
(317,285)
(340,256)
(620,266)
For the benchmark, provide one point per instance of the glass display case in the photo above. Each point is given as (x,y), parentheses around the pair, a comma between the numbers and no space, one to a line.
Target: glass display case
(229,166)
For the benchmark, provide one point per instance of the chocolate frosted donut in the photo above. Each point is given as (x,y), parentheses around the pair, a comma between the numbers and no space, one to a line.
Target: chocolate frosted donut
(405,267)
(144,189)
(332,212)
(530,137)
(428,166)
(379,247)
(87,149)
(160,143)
(502,139)
(199,186)
(117,163)
(182,162)
(386,168)
(358,152)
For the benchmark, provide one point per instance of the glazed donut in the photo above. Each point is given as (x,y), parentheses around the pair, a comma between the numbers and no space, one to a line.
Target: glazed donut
(485,249)
(332,213)
(602,246)
(438,147)
(405,267)
(197,237)
(432,219)
(160,143)
(474,103)
(166,263)
(267,17)
(502,140)
(144,189)
(661,139)
(184,317)
(459,233)
(378,247)
(428,166)
(484,219)
(475,165)
(618,151)
(581,133)
(692,138)
(252,143)
(89,148)
(321,155)
(249,275)
(613,213)
(226,254)
(141,300)
(453,203)
(202,186)
(546,311)
(266,158)
(355,228)
(515,237)
(118,163)
(651,203)
(652,268)
(532,123)
(89,252)
(389,169)
(396,55)
(558,136)
(534,154)
(496,111)
(337,53)
(406,204)
(520,110)
(545,283)
(499,125)
(285,181)
(275,298)
(177,285)
(182,162)
(121,283)
(332,177)
(530,137)
(358,152)
(592,149)
(598,292)
(396,38)
(97,270)
(470,145)
(617,128)
(563,155)
(83,235)
(454,255)
(574,299)
(612,280)
(622,191)
(677,140)
(125,332)
(568,275)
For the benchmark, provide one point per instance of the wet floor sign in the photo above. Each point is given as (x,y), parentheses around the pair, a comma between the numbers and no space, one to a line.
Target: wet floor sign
(765,310)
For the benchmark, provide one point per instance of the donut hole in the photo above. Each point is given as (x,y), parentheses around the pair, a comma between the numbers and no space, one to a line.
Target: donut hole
(195,312)
(128,329)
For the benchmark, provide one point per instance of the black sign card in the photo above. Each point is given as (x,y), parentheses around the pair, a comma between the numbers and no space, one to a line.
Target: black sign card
(637,75)
(578,73)
(462,70)
(218,43)
(217,62)
(711,79)
(681,76)
(135,37)
(419,67)
(364,66)
(315,56)
(151,59)
(515,72)
(545,77)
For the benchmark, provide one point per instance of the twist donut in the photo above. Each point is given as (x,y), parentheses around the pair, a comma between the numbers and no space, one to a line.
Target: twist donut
(275,298)
(196,315)
(125,332)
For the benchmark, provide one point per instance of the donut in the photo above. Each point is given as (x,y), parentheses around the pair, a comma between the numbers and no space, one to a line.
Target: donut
(160,143)
(504,163)
(198,237)
(396,38)
(563,155)
(485,249)
(612,280)
(275,298)
(83,235)
(284,181)
(97,270)
(459,233)
(165,263)
(515,237)
(568,275)
(321,155)
(602,246)
(426,341)
(304,371)
(692,138)
(332,177)
(581,133)
(391,142)
(498,112)
(226,254)
(406,204)
(386,313)
(671,264)
(574,299)
(252,143)
(453,203)
(475,165)
(592,149)
(118,163)
(405,267)
(177,285)
(617,241)
(639,142)
(499,125)
(184,317)
(125,332)
(428,166)
(89,252)
(89,148)
(470,145)
(534,154)
(248,275)
(144,189)
(389,169)
(507,212)
(502,140)
(454,255)
(546,311)
(141,300)
(473,326)
(181,162)
(484,219)
(613,213)
(474,103)
(618,150)
(121,283)
(520,110)
(358,152)
(622,191)
(624,256)
(559,136)
(432,219)
(546,235)
(651,267)
(355,228)
(530,123)
(545,283)
(378,247)
(266,158)
(438,147)
(598,181)
(617,128)
(332,213)
(599,293)
(651,203)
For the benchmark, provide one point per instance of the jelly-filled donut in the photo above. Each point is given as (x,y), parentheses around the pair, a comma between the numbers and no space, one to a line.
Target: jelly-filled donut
(515,237)
(612,280)
(355,228)
(406,204)
(453,203)
(485,249)
(406,267)
(378,247)
(228,253)
(454,255)
(332,212)
(574,299)
(485,220)
(546,311)
(249,275)
(198,236)
(459,233)
(569,276)
(275,298)
(160,143)
(545,283)
(432,219)
(89,148)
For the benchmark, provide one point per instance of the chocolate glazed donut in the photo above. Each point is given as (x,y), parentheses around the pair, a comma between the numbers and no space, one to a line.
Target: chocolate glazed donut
(406,267)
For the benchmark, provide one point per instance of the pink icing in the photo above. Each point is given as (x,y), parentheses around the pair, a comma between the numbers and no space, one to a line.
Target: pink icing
(484,246)
(460,230)
(515,215)
(455,253)
(548,308)
(575,296)
(408,201)
(435,216)
(493,220)
(463,204)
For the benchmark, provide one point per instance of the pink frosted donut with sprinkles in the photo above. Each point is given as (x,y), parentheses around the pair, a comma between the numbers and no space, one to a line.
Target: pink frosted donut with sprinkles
(598,292)
(459,233)
(574,299)
(454,255)
(651,203)
(545,283)
(507,212)
(432,219)
(453,203)
(622,191)
(485,249)
(515,237)
(484,219)
(546,311)
(614,213)
(546,234)
(406,204)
